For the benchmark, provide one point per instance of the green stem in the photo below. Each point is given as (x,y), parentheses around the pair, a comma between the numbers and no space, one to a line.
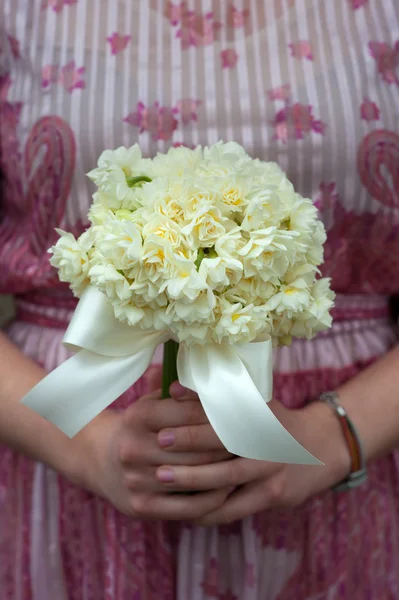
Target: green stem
(169,371)
(132,181)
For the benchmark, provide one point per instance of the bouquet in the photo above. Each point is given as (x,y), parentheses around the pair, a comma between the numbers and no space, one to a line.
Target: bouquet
(213,254)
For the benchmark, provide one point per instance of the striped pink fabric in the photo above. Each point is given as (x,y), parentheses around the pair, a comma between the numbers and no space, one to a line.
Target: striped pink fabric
(312,84)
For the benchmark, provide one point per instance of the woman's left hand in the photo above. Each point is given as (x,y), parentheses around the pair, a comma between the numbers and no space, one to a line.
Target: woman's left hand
(259,485)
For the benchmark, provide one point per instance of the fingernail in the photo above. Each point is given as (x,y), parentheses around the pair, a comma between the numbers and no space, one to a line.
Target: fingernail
(166,438)
(177,390)
(165,475)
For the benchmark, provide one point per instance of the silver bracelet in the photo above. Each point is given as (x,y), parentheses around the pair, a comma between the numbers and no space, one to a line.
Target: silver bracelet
(358,475)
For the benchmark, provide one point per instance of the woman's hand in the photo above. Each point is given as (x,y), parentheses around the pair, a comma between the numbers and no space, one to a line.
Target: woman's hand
(259,485)
(118,455)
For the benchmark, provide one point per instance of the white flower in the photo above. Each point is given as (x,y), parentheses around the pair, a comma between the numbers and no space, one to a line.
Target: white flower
(251,290)
(206,227)
(176,161)
(264,210)
(220,272)
(101,209)
(240,324)
(302,216)
(232,194)
(291,298)
(201,309)
(126,160)
(184,283)
(231,242)
(129,313)
(165,229)
(322,302)
(120,244)
(71,258)
(268,253)
(115,176)
(110,281)
(315,251)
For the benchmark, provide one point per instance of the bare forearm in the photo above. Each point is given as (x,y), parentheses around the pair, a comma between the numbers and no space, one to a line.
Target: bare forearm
(372,401)
(20,427)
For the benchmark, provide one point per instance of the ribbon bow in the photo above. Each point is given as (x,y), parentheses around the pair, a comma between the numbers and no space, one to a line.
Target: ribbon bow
(234,383)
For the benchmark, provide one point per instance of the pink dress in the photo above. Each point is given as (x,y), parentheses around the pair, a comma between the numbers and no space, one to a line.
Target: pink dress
(312,84)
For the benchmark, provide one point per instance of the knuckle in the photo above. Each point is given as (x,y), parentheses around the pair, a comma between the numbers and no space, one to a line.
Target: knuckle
(275,490)
(132,480)
(126,452)
(232,475)
(140,505)
(194,412)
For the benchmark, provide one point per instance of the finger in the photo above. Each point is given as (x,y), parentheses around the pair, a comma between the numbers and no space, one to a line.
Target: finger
(218,475)
(180,392)
(177,507)
(142,449)
(153,377)
(192,438)
(248,500)
(155,414)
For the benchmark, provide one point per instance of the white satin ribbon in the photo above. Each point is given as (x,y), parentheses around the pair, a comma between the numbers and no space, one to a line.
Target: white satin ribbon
(234,383)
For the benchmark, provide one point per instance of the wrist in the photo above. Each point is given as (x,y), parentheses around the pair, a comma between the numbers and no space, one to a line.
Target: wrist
(332,448)
(88,451)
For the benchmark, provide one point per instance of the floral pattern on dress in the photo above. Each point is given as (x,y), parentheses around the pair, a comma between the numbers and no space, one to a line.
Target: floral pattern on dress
(118,42)
(282,92)
(301,49)
(377,162)
(296,120)
(237,18)
(369,110)
(355,4)
(57,5)
(194,29)
(187,108)
(387,60)
(69,76)
(161,121)
(228,58)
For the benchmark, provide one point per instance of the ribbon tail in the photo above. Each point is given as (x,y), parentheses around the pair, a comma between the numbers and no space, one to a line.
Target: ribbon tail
(79,389)
(234,406)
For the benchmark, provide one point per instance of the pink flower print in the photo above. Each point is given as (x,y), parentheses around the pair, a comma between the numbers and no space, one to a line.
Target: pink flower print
(118,42)
(159,121)
(210,585)
(327,196)
(197,30)
(227,595)
(301,49)
(50,74)
(71,77)
(57,5)
(14,46)
(369,111)
(293,121)
(188,110)
(5,84)
(175,12)
(229,58)
(355,4)
(183,145)
(280,93)
(250,578)
(237,18)
(387,60)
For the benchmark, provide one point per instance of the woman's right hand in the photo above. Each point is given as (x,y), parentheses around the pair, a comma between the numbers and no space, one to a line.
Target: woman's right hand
(117,456)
